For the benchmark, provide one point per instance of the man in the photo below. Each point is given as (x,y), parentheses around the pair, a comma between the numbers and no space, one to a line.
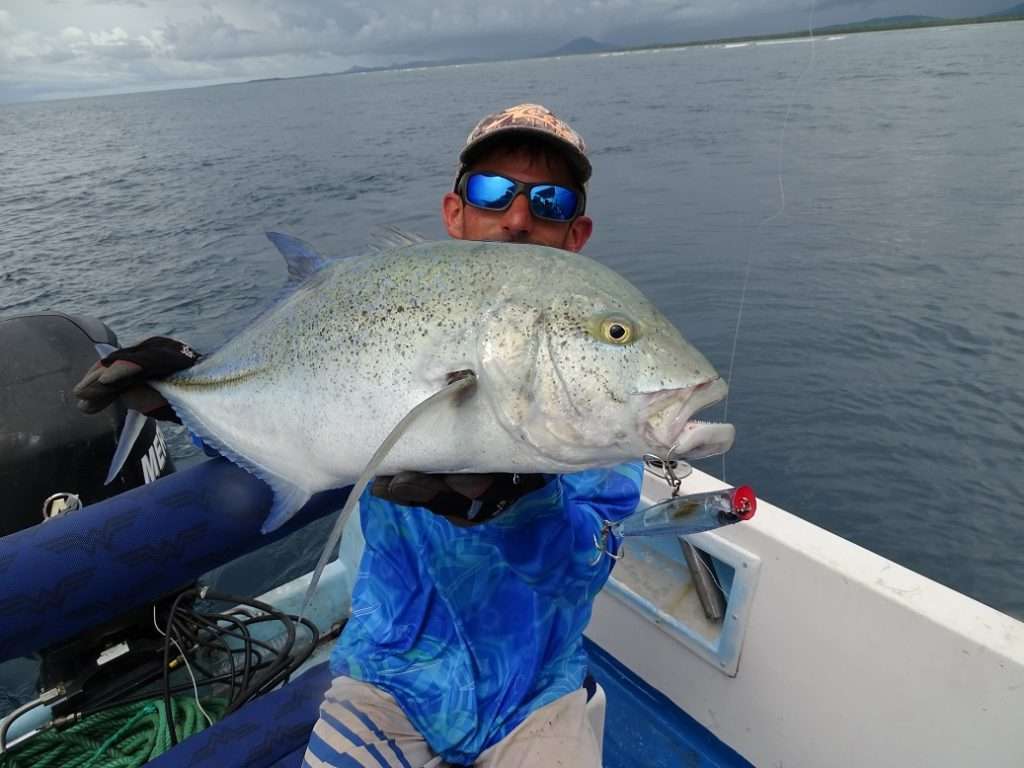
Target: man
(465,642)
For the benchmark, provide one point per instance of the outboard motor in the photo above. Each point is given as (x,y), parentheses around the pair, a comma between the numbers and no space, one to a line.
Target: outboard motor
(53,458)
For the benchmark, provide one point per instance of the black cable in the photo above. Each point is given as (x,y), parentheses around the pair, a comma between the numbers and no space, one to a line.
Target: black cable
(146,695)
(246,648)
(280,670)
(210,619)
(314,633)
(207,635)
(245,636)
(283,676)
(258,686)
(166,671)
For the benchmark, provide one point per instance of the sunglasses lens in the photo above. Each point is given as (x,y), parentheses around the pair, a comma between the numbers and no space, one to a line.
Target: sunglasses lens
(486,191)
(547,201)
(550,201)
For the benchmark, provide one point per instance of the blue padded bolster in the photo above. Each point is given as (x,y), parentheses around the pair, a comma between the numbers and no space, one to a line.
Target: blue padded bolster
(71,573)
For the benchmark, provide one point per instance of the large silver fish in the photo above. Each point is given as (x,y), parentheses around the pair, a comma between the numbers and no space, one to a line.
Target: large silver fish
(575,369)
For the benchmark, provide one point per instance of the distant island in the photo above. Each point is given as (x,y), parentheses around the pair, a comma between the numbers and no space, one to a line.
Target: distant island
(587,45)
(1016,13)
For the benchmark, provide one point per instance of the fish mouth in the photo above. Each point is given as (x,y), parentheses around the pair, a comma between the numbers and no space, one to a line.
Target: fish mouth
(669,426)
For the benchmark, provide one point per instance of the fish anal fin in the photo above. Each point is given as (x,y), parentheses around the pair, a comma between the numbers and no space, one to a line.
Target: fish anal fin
(288,499)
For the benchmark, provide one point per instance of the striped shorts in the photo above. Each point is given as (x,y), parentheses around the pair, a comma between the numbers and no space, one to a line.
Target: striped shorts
(361,726)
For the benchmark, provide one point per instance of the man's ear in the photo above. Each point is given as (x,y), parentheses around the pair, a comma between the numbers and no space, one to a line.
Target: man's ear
(578,234)
(451,213)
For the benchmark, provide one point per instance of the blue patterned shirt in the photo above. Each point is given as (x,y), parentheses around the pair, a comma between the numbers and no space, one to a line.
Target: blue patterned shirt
(472,629)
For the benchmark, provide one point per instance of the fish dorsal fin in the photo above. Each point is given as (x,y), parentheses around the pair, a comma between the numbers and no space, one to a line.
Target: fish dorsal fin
(301,258)
(390,237)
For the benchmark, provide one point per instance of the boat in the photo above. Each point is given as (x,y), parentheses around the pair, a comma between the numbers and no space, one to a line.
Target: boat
(768,643)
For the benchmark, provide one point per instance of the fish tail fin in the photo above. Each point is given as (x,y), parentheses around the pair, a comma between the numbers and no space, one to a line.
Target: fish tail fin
(104,349)
(133,424)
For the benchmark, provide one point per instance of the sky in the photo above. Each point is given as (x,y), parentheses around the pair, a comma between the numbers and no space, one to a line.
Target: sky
(69,48)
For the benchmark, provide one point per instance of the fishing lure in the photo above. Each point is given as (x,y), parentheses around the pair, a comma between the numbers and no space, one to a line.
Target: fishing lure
(680,516)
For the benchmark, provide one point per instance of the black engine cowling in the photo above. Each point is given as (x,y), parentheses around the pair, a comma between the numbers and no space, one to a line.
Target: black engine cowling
(50,453)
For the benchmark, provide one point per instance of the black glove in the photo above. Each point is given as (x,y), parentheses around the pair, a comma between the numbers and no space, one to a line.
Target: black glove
(452,496)
(123,374)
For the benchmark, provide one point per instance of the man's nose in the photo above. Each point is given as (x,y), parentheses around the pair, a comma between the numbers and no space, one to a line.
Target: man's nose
(518,218)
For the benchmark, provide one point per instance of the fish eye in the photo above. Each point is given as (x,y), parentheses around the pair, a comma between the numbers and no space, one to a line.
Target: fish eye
(616,330)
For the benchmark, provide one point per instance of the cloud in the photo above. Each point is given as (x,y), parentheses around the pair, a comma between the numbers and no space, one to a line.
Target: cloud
(124,43)
(214,38)
(26,50)
(232,30)
(133,3)
(861,5)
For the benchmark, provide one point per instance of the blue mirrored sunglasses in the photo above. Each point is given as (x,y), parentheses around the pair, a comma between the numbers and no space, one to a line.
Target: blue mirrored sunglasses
(496,193)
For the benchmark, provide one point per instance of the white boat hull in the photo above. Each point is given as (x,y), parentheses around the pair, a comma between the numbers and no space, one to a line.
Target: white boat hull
(846,658)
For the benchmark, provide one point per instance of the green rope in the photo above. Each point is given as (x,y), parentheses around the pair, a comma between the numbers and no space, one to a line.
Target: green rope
(121,737)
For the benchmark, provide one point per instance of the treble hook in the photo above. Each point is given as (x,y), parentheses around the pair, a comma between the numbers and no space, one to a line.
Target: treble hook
(601,544)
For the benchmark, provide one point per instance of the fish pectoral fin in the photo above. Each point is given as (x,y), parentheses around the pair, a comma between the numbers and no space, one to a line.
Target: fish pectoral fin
(288,499)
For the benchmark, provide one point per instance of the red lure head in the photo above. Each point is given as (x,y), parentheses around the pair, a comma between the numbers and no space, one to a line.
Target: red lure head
(744,502)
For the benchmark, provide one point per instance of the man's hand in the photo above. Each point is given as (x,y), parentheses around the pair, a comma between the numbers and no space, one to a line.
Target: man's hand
(123,375)
(464,499)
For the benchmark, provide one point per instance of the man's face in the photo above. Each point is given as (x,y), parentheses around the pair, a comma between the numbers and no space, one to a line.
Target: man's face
(516,224)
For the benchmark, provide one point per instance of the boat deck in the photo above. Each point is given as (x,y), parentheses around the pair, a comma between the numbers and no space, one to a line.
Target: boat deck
(642,727)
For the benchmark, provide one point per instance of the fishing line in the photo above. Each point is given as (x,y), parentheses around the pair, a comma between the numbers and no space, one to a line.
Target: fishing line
(772,217)
(458,382)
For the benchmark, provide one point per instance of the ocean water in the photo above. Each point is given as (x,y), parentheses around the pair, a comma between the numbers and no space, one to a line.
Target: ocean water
(838,224)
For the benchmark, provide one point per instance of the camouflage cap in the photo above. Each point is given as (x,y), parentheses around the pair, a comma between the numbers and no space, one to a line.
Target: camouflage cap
(529,119)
